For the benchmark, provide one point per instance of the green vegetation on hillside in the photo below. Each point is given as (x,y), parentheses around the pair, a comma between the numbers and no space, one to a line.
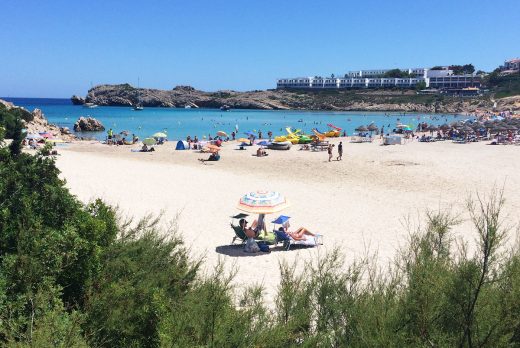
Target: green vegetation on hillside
(76,275)
(503,86)
(397,73)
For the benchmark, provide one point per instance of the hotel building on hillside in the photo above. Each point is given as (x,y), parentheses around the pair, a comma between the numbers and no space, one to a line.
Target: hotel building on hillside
(440,79)
(511,66)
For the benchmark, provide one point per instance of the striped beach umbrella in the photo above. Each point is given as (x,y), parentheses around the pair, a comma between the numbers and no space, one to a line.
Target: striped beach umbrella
(262,202)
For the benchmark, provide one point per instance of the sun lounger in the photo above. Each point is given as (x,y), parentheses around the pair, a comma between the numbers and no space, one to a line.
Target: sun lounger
(288,241)
(321,146)
(240,235)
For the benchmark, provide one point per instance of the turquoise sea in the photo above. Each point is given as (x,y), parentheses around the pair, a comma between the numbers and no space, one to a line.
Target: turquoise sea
(179,123)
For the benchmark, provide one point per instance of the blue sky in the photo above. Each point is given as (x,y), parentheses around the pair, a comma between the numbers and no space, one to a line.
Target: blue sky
(58,48)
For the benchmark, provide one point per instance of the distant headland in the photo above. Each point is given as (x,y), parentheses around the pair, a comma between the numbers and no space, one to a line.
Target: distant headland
(284,99)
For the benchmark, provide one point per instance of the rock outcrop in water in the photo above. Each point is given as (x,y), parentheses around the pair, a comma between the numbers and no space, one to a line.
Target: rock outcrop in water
(77,100)
(334,100)
(88,124)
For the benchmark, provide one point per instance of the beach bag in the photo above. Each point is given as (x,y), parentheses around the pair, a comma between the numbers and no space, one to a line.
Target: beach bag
(251,246)
(264,247)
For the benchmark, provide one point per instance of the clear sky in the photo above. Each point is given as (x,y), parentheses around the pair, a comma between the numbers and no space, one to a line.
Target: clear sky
(58,48)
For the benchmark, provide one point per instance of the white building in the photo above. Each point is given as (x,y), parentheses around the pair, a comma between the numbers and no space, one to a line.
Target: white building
(511,65)
(374,79)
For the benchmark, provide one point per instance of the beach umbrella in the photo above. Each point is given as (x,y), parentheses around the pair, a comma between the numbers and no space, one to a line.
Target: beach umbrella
(403,126)
(455,125)
(46,135)
(33,136)
(372,127)
(160,135)
(444,126)
(149,141)
(263,143)
(243,140)
(433,128)
(262,202)
(212,148)
(222,134)
(361,129)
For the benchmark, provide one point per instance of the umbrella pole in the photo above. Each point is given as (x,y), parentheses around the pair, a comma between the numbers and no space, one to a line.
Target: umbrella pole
(261,218)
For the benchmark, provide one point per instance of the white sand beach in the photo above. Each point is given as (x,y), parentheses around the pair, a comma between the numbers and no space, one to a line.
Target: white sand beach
(357,204)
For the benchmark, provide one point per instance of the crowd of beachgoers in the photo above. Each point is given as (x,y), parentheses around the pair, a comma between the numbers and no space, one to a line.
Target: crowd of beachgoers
(498,128)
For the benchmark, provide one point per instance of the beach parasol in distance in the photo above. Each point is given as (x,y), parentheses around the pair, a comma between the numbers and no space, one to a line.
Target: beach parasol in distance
(33,136)
(444,127)
(372,127)
(361,129)
(432,128)
(46,135)
(222,134)
(243,140)
(160,135)
(263,143)
(262,202)
(212,148)
(149,141)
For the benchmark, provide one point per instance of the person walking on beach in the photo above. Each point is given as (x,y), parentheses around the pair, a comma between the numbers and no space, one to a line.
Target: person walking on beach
(329,151)
(340,151)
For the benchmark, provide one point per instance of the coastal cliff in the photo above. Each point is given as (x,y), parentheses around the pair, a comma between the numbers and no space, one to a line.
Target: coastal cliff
(36,122)
(334,100)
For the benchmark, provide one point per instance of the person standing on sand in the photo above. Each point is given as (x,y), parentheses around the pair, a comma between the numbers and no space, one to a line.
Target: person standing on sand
(329,151)
(340,151)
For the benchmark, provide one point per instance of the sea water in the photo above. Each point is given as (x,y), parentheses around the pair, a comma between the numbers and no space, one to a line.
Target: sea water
(179,123)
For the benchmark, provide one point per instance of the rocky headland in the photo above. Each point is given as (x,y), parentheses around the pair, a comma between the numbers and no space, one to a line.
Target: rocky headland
(36,122)
(335,100)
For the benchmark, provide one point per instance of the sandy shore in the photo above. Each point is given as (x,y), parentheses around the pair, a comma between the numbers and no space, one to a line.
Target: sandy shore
(357,203)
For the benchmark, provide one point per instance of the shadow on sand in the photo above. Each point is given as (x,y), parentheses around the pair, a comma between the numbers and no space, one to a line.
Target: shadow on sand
(237,250)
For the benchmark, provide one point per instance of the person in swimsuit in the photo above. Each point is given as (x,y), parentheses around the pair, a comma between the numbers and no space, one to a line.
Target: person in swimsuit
(299,234)
(340,151)
(329,151)
(251,232)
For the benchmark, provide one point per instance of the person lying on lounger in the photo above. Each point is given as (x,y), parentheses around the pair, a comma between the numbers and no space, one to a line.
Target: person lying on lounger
(299,234)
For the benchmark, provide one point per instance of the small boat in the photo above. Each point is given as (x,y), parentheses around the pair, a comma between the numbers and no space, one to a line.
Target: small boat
(187,106)
(90,105)
(138,106)
(225,108)
(284,145)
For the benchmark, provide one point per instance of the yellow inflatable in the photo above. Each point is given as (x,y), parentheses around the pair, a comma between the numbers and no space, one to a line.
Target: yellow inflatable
(332,134)
(280,139)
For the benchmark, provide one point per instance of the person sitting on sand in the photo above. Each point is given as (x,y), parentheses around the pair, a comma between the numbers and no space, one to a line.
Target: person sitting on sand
(260,152)
(299,234)
(144,148)
(213,157)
